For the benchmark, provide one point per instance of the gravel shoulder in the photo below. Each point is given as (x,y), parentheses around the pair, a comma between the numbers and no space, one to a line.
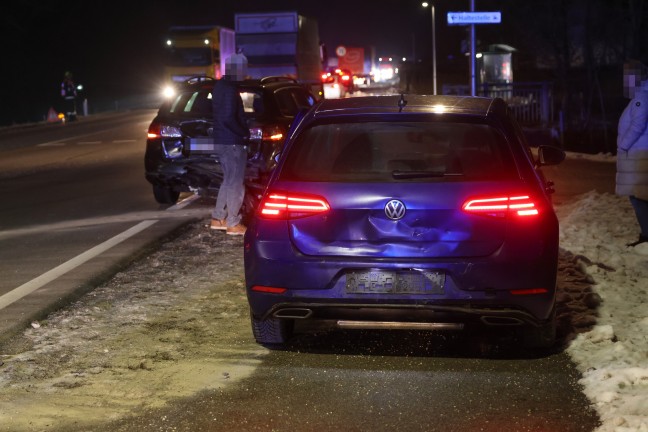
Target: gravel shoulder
(172,324)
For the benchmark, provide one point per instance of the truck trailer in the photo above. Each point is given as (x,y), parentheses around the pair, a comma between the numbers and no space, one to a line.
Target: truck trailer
(281,44)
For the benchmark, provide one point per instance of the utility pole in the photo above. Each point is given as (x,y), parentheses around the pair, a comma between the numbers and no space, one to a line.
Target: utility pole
(473,53)
(434,68)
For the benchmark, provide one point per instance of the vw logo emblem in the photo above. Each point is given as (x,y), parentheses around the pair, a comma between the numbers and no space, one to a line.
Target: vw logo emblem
(395,209)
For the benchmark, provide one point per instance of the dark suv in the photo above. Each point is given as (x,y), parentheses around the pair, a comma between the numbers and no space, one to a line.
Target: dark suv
(180,154)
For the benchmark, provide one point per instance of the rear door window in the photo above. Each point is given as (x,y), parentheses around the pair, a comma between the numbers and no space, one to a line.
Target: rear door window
(252,102)
(291,100)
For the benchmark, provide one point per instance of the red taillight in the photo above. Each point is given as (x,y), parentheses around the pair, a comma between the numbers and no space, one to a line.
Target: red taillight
(327,77)
(277,205)
(273,133)
(501,206)
(267,289)
(153,131)
(529,291)
(346,77)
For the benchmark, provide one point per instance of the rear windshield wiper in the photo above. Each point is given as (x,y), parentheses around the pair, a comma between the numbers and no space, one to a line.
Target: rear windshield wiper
(397,174)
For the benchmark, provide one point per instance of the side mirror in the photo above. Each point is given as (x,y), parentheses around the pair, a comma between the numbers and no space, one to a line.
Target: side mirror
(550,155)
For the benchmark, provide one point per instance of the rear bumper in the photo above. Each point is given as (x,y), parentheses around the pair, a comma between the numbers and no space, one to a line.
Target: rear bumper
(438,314)
(476,290)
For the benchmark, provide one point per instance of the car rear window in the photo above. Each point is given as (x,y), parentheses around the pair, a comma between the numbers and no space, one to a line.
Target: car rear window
(399,151)
(199,103)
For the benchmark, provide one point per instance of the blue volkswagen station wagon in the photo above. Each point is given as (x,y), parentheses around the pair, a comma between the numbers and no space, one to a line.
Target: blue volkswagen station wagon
(406,212)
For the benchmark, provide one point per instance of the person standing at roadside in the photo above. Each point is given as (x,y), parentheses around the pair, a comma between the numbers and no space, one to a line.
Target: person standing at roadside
(231,131)
(632,145)
(69,95)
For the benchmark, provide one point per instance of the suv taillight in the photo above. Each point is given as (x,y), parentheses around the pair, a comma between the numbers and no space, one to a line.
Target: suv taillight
(153,131)
(501,206)
(268,133)
(279,205)
(159,130)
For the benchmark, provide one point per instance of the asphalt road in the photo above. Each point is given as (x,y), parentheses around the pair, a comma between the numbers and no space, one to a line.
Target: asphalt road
(75,208)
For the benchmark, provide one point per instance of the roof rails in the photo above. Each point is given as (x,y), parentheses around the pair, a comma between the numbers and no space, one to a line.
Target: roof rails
(198,79)
(271,79)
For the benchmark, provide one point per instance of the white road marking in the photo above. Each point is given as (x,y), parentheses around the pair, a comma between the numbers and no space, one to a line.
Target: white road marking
(51,144)
(62,143)
(34,284)
(184,203)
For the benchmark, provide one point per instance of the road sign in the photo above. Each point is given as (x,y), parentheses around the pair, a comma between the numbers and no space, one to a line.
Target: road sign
(461,18)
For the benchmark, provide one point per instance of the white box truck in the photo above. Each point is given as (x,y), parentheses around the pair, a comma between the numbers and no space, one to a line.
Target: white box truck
(280,44)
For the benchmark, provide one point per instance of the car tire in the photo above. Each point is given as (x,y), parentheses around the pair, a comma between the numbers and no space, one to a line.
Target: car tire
(165,194)
(543,336)
(271,332)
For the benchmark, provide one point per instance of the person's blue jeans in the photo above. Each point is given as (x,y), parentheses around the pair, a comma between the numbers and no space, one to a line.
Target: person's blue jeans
(641,210)
(233,160)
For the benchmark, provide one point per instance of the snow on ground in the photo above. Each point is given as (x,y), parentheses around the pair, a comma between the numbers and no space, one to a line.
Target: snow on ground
(613,355)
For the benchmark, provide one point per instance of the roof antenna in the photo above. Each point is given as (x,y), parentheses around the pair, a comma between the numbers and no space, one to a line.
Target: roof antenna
(401,103)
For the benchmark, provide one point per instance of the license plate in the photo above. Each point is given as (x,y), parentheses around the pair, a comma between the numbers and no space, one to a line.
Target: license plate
(394,282)
(202,146)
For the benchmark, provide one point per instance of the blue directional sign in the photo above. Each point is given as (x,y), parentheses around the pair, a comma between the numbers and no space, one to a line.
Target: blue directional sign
(462,18)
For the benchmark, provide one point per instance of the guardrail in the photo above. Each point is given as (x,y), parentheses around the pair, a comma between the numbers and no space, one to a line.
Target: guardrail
(531,102)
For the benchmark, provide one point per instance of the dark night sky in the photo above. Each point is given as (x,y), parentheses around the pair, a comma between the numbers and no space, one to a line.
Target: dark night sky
(115,47)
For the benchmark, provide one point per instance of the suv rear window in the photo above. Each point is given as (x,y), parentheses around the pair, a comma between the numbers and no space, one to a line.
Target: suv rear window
(399,151)
(195,102)
(199,102)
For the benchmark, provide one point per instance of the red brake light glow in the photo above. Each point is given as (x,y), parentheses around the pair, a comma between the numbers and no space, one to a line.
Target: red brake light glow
(501,206)
(267,289)
(153,131)
(289,206)
(273,133)
(529,291)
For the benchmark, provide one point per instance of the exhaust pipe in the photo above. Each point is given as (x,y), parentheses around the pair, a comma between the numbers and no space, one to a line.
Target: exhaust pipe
(293,313)
(377,325)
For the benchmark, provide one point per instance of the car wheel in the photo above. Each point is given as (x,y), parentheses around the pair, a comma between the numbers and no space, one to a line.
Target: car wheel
(271,331)
(543,336)
(165,194)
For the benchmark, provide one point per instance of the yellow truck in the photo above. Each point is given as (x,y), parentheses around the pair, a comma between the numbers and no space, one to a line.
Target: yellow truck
(196,51)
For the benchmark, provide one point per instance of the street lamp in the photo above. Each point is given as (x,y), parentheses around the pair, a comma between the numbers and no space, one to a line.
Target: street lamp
(434,76)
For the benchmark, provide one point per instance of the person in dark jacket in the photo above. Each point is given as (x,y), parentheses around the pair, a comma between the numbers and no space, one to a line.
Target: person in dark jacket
(632,146)
(69,94)
(231,131)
